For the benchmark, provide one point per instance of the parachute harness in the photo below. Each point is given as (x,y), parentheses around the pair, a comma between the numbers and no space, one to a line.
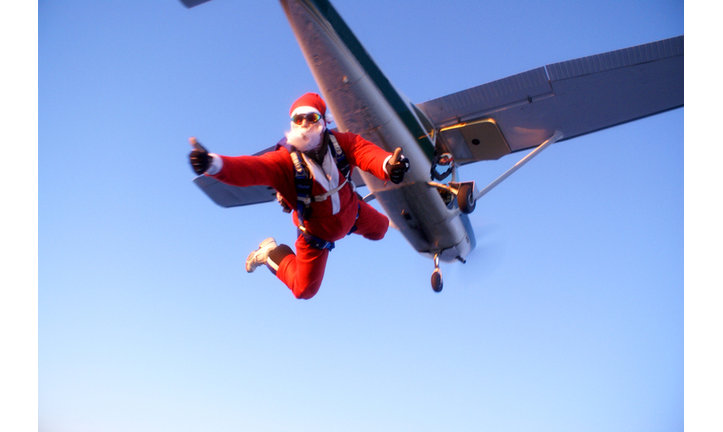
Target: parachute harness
(304,182)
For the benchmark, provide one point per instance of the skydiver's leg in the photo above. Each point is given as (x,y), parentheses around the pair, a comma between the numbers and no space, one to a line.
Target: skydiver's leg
(302,272)
(371,224)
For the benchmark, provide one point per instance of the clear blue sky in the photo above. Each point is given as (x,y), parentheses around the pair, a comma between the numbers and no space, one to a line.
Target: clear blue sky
(568,316)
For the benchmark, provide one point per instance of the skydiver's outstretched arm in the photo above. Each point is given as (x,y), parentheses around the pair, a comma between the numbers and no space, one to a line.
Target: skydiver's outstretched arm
(371,158)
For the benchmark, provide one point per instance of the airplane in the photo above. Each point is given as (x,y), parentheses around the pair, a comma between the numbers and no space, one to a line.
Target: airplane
(529,110)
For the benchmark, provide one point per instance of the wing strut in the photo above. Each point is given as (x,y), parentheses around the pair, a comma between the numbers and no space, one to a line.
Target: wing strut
(554,138)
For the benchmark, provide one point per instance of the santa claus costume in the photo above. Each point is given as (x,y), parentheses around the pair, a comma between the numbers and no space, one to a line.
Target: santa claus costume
(324,213)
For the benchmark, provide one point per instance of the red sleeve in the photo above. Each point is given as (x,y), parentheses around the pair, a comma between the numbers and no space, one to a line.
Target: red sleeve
(363,154)
(273,169)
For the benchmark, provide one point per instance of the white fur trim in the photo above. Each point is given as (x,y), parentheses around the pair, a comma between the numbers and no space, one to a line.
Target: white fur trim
(216,164)
(384,165)
(328,117)
(273,265)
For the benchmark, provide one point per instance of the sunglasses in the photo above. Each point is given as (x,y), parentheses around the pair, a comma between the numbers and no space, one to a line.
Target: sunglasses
(311,118)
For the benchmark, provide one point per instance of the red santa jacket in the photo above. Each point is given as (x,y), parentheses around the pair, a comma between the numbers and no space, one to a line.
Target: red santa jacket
(330,219)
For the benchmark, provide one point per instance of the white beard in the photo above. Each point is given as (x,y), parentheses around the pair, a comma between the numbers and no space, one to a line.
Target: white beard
(305,139)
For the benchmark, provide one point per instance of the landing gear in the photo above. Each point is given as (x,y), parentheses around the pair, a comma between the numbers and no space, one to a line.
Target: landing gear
(437,280)
(437,275)
(465,198)
(463,193)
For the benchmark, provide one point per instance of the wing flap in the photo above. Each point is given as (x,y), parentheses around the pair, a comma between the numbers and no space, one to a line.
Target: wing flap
(476,102)
(575,97)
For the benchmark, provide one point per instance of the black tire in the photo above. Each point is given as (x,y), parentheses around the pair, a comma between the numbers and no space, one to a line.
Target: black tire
(437,284)
(465,199)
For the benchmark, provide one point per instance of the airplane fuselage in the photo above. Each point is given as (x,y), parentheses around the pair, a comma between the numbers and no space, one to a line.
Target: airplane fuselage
(363,101)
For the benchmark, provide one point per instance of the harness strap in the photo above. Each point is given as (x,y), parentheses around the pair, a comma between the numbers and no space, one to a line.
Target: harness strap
(304,182)
(341,161)
(314,241)
(319,243)
(327,194)
(303,178)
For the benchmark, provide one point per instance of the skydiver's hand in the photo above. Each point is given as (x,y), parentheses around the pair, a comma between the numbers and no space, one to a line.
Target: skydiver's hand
(397,166)
(199,157)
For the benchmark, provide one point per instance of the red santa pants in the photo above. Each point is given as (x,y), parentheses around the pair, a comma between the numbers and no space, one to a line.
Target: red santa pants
(303,272)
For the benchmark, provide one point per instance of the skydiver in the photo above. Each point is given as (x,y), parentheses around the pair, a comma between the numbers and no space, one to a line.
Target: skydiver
(311,171)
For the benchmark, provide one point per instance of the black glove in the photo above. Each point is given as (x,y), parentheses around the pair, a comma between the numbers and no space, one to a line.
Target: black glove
(396,170)
(200,159)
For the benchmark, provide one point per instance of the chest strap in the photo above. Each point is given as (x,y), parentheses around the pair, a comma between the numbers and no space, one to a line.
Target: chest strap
(304,181)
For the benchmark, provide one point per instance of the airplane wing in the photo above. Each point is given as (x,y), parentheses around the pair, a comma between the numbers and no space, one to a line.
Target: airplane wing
(235,196)
(575,97)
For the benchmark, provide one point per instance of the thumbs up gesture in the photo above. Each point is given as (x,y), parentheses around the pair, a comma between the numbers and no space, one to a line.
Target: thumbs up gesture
(199,157)
(397,166)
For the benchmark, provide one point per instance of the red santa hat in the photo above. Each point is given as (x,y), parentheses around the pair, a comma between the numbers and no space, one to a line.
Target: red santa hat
(308,103)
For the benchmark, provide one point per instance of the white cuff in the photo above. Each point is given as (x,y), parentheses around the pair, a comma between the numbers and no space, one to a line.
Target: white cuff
(384,165)
(216,164)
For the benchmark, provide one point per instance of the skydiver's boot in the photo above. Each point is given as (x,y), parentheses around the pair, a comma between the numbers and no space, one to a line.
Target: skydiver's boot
(260,255)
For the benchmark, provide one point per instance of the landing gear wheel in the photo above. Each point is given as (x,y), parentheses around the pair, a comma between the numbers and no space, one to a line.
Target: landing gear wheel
(437,280)
(465,198)
(436,275)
